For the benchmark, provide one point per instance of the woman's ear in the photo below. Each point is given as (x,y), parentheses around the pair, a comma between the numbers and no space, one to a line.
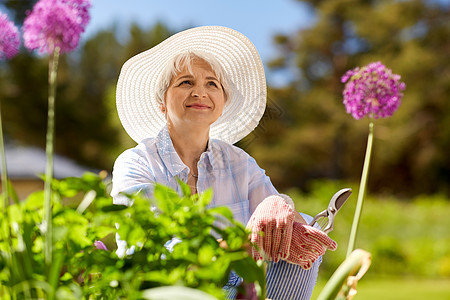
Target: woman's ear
(162,107)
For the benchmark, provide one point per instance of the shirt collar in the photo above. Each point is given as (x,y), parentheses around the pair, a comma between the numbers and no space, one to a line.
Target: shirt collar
(171,158)
(168,154)
(211,152)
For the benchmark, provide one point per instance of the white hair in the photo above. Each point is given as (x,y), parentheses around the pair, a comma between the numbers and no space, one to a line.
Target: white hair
(184,60)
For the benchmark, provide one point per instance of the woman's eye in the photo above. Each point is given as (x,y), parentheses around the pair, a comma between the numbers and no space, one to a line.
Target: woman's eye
(186,82)
(212,83)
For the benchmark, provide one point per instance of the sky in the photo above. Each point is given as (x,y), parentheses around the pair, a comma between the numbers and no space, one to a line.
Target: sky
(259,20)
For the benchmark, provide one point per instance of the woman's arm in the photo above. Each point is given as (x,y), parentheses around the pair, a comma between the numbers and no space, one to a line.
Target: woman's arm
(131,174)
(260,187)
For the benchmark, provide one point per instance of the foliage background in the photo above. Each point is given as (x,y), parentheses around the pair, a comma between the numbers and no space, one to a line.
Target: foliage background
(306,142)
(306,133)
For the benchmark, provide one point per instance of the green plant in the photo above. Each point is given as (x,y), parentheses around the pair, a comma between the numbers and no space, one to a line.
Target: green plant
(24,273)
(80,270)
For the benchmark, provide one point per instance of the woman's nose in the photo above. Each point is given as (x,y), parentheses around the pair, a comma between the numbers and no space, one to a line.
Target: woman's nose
(198,91)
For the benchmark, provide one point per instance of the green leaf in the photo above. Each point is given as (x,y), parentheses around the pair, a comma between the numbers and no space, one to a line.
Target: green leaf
(213,273)
(113,207)
(66,276)
(55,270)
(16,267)
(35,200)
(222,210)
(59,233)
(205,197)
(68,217)
(160,276)
(25,286)
(28,251)
(248,269)
(206,254)
(72,292)
(136,235)
(12,193)
(15,214)
(235,243)
(184,187)
(78,235)
(165,198)
(91,178)
(103,231)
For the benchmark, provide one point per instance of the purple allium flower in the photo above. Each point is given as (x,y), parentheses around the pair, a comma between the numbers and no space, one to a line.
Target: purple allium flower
(99,245)
(9,38)
(372,90)
(55,23)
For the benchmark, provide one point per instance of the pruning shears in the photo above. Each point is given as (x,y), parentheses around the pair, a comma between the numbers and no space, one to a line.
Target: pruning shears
(336,202)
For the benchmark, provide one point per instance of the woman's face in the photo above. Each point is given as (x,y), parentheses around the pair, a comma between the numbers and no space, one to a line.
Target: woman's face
(194,98)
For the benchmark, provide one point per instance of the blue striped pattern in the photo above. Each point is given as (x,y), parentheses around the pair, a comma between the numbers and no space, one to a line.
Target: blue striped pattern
(285,281)
(288,281)
(230,288)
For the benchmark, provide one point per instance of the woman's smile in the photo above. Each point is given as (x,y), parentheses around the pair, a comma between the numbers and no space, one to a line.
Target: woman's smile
(199,106)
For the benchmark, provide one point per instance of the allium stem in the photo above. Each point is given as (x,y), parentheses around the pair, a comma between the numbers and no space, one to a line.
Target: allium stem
(5,194)
(53,68)
(362,190)
(4,170)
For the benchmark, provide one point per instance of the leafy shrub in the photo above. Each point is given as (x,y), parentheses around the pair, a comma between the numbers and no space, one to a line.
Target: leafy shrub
(80,270)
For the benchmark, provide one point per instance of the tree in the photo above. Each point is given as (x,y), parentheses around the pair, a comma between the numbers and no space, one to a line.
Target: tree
(315,138)
(18,8)
(87,127)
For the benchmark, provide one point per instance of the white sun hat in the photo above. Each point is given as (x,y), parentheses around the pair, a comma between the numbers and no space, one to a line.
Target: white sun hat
(139,111)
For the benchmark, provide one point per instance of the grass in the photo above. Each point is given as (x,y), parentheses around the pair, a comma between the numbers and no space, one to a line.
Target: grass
(398,288)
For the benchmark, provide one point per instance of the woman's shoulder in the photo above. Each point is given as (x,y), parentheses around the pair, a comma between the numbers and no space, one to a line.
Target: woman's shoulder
(231,154)
(226,147)
(144,149)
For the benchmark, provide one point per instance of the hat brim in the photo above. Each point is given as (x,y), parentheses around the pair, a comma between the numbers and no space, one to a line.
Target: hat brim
(136,101)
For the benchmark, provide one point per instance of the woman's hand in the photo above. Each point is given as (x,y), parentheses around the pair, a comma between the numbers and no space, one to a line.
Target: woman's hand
(279,232)
(271,224)
(307,244)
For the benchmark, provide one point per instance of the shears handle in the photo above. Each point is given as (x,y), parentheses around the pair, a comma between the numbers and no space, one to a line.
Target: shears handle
(320,215)
(336,202)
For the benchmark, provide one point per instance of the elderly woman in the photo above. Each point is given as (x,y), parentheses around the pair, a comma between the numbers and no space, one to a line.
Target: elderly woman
(185,102)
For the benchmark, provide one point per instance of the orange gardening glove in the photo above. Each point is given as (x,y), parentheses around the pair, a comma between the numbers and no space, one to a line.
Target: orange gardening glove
(307,244)
(271,224)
